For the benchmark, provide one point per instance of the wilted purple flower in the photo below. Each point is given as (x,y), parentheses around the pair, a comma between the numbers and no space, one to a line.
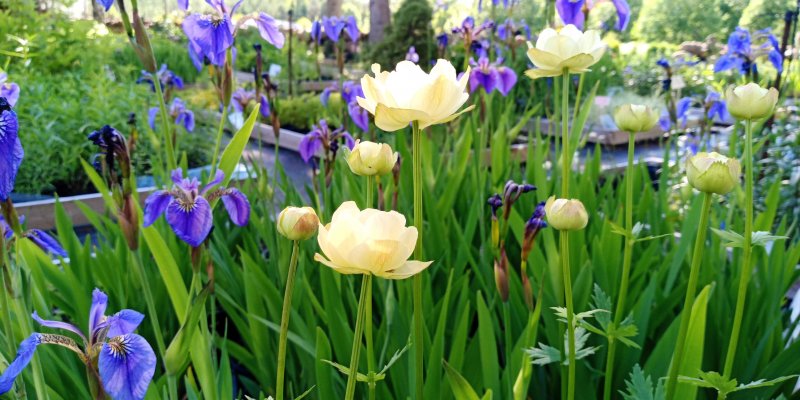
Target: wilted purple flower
(123,361)
(188,208)
(743,50)
(9,90)
(39,237)
(177,111)
(495,201)
(359,115)
(167,78)
(412,55)
(11,152)
(321,137)
(532,227)
(491,76)
(511,193)
(268,28)
(572,12)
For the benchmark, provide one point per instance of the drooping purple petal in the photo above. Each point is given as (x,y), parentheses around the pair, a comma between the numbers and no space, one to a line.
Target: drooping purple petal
(106,4)
(183,5)
(24,356)
(309,145)
(571,12)
(726,62)
(190,222)
(155,205)
(98,310)
(351,27)
(5,230)
(126,364)
(316,31)
(326,94)
(268,28)
(10,91)
(682,108)
(333,28)
(265,108)
(46,242)
(186,118)
(359,115)
(58,325)
(350,91)
(776,59)
(123,323)
(237,205)
(508,78)
(623,14)
(219,176)
(194,55)
(348,140)
(664,122)
(152,114)
(11,152)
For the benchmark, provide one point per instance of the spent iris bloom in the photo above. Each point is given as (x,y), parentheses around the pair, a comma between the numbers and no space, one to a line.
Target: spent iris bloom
(322,138)
(167,78)
(9,90)
(188,208)
(123,361)
(573,12)
(511,193)
(39,237)
(491,76)
(508,30)
(243,98)
(11,152)
(412,55)
(177,111)
(744,49)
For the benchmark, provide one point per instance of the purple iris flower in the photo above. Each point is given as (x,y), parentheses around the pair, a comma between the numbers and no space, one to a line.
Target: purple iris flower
(443,40)
(491,76)
(37,236)
(179,113)
(682,110)
(9,90)
(571,12)
(316,31)
(321,137)
(210,36)
(188,208)
(359,115)
(664,121)
(242,99)
(743,50)
(716,107)
(509,29)
(537,221)
(495,202)
(11,152)
(350,91)
(351,27)
(268,28)
(124,361)
(469,32)
(333,27)
(167,78)
(412,55)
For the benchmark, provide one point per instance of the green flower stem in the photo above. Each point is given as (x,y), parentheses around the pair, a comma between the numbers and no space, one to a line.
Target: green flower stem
(354,355)
(566,155)
(368,308)
(691,288)
(169,134)
(570,323)
(419,336)
(747,250)
(218,142)
(285,314)
(626,268)
(507,340)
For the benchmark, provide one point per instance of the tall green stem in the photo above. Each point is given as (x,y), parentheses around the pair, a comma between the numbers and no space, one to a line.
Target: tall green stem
(218,142)
(747,251)
(419,335)
(566,154)
(285,314)
(691,288)
(564,242)
(356,352)
(368,308)
(626,268)
(169,135)
(507,340)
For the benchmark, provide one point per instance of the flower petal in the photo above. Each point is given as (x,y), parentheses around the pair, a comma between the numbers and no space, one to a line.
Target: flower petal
(98,310)
(24,356)
(11,152)
(46,242)
(155,205)
(237,205)
(407,270)
(126,365)
(57,325)
(268,28)
(219,176)
(392,119)
(192,222)
(123,323)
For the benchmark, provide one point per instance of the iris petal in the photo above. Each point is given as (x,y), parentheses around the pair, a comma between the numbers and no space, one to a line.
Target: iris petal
(46,242)
(268,28)
(24,356)
(218,177)
(57,325)
(126,365)
(11,152)
(155,205)
(98,310)
(237,205)
(571,12)
(190,222)
(123,322)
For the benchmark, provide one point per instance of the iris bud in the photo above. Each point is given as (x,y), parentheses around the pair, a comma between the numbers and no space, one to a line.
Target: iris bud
(501,275)
(635,118)
(713,172)
(751,101)
(368,159)
(298,223)
(566,215)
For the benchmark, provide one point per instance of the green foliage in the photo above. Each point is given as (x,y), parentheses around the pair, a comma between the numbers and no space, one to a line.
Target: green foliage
(299,112)
(760,14)
(680,20)
(411,26)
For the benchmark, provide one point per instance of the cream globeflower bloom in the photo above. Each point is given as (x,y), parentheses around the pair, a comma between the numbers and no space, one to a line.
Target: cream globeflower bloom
(369,242)
(298,223)
(369,158)
(568,48)
(713,172)
(635,118)
(408,94)
(751,101)
(566,215)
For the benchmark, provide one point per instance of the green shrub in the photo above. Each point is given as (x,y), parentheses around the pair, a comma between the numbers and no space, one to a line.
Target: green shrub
(300,112)
(411,26)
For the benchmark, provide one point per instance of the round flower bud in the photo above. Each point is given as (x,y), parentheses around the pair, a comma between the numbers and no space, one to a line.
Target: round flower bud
(298,223)
(751,101)
(635,118)
(368,158)
(713,172)
(566,215)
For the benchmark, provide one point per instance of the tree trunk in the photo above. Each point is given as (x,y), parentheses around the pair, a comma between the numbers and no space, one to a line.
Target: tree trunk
(379,20)
(333,7)
(97,11)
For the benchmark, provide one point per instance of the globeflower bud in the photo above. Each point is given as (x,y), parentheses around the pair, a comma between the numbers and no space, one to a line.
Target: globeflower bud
(368,159)
(566,215)
(751,101)
(298,223)
(713,172)
(635,118)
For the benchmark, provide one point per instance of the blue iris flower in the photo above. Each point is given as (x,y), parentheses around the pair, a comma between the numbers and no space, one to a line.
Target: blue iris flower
(572,12)
(123,360)
(333,27)
(11,152)
(177,111)
(9,90)
(321,136)
(744,49)
(168,79)
(491,76)
(716,109)
(39,237)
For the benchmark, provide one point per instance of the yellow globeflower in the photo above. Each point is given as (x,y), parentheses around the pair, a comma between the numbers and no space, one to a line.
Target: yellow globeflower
(408,94)
(635,118)
(369,242)
(713,172)
(568,48)
(298,223)
(369,158)
(566,215)
(751,101)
